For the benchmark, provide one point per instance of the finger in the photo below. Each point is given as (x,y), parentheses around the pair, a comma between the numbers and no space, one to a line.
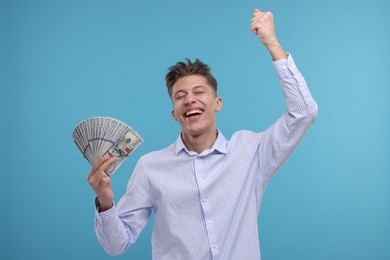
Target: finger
(257,18)
(107,164)
(106,180)
(95,178)
(255,26)
(99,180)
(97,164)
(261,19)
(102,170)
(257,12)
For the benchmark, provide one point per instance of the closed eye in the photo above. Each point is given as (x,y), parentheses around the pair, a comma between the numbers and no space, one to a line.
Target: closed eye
(198,90)
(177,97)
(180,94)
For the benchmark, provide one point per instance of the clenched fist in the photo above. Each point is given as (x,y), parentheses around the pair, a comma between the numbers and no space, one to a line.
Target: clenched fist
(262,24)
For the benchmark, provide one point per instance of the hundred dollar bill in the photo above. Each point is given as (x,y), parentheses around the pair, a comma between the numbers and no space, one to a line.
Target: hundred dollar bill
(97,136)
(121,149)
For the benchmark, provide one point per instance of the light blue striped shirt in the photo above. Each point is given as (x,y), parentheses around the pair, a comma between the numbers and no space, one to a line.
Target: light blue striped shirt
(206,205)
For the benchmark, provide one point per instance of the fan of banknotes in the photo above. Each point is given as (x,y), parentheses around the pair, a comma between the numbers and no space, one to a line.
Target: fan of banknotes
(97,136)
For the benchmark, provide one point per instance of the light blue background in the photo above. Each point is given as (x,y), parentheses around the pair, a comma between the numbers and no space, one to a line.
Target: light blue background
(64,61)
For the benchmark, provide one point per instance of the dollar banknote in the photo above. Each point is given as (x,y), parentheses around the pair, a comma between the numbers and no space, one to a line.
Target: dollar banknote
(97,136)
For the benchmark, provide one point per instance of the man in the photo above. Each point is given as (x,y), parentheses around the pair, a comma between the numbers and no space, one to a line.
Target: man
(205,190)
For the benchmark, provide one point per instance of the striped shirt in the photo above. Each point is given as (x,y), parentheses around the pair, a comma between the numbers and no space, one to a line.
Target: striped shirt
(206,205)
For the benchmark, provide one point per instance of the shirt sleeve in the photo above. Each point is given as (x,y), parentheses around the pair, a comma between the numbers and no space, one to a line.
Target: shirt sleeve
(280,139)
(119,227)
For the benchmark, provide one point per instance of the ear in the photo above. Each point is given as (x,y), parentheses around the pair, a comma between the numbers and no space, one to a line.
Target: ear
(218,106)
(173,115)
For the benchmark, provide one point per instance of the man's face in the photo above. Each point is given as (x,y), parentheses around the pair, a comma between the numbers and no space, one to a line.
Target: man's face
(195,105)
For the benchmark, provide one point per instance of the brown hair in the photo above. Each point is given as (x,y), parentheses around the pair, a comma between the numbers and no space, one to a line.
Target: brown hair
(182,69)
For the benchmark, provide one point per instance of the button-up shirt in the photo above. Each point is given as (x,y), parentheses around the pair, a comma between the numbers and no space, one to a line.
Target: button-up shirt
(206,205)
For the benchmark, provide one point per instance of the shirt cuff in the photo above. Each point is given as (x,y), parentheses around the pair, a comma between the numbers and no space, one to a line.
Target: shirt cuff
(286,67)
(101,216)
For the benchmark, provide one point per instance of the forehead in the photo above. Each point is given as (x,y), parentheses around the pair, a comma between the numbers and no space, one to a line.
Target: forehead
(190,82)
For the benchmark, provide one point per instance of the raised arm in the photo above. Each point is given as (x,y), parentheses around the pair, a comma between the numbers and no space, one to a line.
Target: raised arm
(280,139)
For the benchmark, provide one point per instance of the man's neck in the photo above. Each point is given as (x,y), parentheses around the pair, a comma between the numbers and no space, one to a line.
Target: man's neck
(199,143)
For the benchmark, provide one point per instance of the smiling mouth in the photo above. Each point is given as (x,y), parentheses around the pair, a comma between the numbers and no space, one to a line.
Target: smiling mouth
(193,113)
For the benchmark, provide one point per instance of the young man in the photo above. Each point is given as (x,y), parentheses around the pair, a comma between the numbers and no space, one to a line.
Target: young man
(205,190)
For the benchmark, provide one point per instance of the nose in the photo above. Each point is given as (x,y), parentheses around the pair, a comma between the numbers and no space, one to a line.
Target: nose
(190,99)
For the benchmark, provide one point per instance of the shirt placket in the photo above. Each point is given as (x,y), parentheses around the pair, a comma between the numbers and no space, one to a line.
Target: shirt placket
(206,205)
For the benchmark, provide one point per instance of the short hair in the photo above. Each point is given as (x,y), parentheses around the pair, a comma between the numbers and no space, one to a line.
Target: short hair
(187,68)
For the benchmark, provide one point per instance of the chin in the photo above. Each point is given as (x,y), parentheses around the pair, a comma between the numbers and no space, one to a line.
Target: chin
(197,131)
(193,132)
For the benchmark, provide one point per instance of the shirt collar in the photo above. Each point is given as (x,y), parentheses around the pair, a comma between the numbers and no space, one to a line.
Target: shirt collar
(220,146)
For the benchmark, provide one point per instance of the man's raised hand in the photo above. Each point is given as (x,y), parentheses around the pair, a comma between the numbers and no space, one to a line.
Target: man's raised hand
(262,25)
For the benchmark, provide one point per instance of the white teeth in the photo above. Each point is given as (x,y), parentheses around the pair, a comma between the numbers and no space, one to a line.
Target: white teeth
(193,112)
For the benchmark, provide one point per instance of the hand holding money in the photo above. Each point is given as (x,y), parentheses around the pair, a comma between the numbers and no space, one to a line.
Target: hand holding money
(106,143)
(100,182)
(98,136)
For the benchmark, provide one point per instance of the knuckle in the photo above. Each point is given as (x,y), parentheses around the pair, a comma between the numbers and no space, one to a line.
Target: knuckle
(92,183)
(106,180)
